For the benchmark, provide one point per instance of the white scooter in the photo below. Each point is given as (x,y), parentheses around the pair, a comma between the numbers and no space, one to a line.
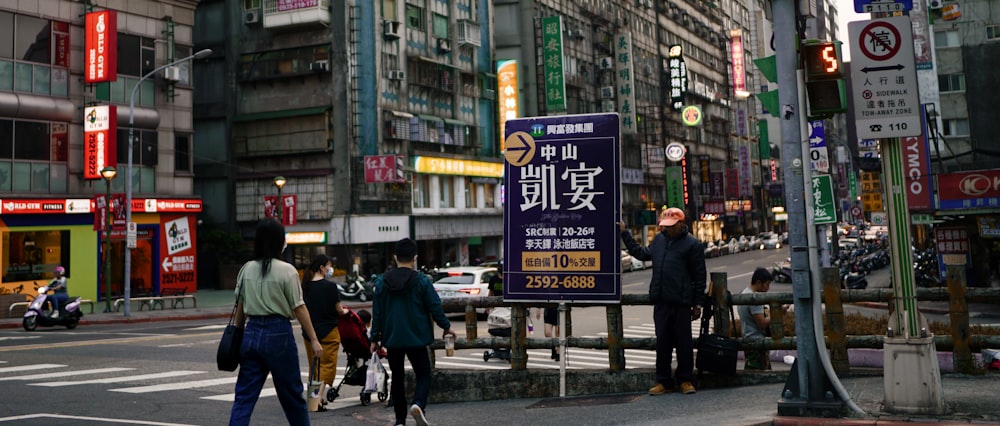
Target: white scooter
(69,315)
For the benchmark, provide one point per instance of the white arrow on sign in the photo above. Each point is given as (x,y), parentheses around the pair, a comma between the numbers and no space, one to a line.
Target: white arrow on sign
(167,264)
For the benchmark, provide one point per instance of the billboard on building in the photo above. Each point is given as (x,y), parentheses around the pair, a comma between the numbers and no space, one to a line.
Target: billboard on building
(678,77)
(507,96)
(100,129)
(739,71)
(384,169)
(100,46)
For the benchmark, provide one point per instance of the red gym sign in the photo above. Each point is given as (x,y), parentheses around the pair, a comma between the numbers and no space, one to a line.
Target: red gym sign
(100,46)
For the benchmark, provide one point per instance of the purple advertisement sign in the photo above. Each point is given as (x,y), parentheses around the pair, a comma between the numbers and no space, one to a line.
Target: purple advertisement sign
(563,181)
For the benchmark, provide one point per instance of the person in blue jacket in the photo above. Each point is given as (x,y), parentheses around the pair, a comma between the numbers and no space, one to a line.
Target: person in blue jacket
(403,304)
(677,290)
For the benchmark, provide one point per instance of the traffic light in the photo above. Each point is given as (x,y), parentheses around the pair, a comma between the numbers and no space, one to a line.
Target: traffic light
(826,90)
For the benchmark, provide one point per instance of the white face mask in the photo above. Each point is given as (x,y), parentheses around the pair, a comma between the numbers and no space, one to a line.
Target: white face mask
(329,273)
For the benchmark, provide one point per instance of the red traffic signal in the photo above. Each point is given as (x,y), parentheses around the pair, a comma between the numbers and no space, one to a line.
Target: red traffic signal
(822,60)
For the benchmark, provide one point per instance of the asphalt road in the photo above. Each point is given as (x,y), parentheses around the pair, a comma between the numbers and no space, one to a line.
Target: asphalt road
(164,372)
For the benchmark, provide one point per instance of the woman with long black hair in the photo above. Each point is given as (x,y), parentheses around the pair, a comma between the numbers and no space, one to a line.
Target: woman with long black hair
(270,295)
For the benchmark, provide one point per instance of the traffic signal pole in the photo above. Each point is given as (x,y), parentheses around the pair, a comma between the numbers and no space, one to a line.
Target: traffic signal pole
(804,393)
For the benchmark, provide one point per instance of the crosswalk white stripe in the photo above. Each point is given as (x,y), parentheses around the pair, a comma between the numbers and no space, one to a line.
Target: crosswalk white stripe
(29,367)
(176,386)
(120,379)
(207,327)
(66,374)
(230,397)
(484,365)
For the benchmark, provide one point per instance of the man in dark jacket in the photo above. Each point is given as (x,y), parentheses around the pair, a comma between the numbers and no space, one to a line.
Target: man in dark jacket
(677,290)
(402,307)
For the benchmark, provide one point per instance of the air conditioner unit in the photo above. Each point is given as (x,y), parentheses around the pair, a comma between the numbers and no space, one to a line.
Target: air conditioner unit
(607,92)
(397,75)
(320,66)
(251,17)
(391,30)
(935,4)
(172,74)
(444,45)
(607,63)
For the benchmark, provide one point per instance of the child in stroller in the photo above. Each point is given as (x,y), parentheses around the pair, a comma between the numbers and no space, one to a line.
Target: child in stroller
(498,322)
(354,340)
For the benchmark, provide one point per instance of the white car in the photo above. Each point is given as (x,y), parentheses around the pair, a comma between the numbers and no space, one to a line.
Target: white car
(465,281)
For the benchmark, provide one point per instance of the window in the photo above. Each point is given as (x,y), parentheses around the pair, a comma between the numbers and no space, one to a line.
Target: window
(447,192)
(32,39)
(951,82)
(182,153)
(281,63)
(250,4)
(421,191)
(440,26)
(389,10)
(32,156)
(993,32)
(414,17)
(489,197)
(185,67)
(956,127)
(946,38)
(471,199)
(33,55)
(144,146)
(34,254)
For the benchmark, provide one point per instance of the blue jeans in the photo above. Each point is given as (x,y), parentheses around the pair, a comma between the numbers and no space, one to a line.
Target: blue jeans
(269,347)
(421,364)
(59,301)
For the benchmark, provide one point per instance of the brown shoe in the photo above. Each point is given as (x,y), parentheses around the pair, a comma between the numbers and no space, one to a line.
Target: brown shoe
(659,389)
(687,388)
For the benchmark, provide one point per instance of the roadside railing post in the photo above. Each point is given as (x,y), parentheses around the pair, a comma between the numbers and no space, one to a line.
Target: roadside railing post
(616,332)
(958,313)
(719,292)
(518,340)
(471,322)
(836,330)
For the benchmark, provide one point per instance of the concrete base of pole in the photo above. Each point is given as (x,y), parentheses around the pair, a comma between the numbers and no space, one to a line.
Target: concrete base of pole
(912,376)
(795,402)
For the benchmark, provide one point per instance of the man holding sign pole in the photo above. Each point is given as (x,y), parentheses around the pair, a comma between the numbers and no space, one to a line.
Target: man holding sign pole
(677,290)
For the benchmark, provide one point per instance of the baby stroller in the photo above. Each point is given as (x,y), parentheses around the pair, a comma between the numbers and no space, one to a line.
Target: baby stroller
(354,340)
(498,322)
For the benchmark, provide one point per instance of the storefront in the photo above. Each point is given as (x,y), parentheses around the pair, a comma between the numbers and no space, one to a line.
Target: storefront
(38,235)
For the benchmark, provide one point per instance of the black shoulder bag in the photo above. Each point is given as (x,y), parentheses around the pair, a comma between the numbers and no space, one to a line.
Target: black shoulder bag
(716,353)
(228,355)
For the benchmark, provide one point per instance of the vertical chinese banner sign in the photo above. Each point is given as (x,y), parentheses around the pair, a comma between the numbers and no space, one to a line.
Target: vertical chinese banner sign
(552,54)
(507,96)
(625,82)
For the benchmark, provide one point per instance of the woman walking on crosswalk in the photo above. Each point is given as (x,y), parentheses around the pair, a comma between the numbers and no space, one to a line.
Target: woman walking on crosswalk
(270,295)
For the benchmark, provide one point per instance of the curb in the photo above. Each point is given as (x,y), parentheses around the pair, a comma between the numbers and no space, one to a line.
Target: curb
(135,319)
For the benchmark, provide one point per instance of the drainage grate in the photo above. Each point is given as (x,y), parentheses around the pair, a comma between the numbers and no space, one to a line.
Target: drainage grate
(578,401)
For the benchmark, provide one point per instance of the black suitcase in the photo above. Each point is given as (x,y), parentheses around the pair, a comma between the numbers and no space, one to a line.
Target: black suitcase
(716,354)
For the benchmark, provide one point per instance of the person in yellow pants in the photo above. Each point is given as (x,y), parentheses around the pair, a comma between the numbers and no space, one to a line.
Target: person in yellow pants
(322,298)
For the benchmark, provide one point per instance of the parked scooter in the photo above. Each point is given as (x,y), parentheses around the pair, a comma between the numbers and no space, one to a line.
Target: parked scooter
(781,272)
(69,315)
(356,287)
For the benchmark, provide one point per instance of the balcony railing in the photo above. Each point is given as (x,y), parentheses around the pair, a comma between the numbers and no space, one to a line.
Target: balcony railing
(289,13)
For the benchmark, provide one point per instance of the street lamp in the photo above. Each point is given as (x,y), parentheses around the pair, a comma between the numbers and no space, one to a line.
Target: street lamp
(108,173)
(128,175)
(279,181)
